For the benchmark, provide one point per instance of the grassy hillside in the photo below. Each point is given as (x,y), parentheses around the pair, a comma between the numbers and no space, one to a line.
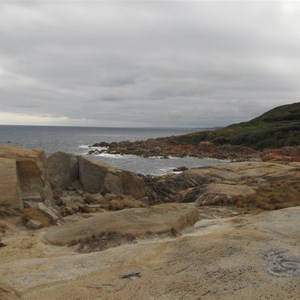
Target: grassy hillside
(274,129)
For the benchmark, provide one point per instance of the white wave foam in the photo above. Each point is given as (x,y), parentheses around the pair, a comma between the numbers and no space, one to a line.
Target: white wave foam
(165,170)
(84,146)
(99,148)
(158,157)
(91,147)
(110,155)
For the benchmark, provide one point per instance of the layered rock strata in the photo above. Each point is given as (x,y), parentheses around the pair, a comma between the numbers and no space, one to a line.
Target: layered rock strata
(245,183)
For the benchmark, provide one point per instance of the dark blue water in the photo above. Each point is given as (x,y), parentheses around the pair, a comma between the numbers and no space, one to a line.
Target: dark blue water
(76,140)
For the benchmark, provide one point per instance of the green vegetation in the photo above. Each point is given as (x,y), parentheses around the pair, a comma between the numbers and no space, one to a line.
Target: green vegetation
(276,128)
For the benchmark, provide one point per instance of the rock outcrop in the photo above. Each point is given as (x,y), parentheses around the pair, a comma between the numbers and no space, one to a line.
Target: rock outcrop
(171,146)
(110,229)
(23,176)
(93,176)
(245,183)
(96,176)
(9,184)
(289,154)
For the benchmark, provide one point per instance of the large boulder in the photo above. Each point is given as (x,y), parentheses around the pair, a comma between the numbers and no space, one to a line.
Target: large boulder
(96,176)
(24,170)
(63,169)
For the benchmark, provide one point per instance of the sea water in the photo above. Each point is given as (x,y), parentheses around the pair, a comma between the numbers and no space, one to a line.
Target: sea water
(77,140)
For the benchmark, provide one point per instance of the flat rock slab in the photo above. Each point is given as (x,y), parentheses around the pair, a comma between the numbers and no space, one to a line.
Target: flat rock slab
(285,222)
(229,259)
(125,225)
(241,172)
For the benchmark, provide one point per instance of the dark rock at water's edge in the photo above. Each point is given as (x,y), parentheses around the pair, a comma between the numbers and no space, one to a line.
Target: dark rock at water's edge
(180,169)
(171,146)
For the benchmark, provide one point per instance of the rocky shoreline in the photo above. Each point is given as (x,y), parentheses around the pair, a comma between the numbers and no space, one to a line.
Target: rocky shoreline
(170,146)
(67,205)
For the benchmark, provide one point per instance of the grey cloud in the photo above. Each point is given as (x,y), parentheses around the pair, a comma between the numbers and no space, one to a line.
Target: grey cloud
(188,64)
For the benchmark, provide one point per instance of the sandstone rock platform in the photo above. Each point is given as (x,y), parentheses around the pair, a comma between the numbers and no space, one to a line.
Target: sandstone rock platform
(233,251)
(239,257)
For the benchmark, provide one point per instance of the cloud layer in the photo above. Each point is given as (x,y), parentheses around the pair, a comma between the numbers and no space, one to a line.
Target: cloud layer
(146,63)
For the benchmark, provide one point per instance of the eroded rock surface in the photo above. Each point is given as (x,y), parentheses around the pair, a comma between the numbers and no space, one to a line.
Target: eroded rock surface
(231,183)
(10,194)
(63,169)
(167,219)
(221,258)
(96,176)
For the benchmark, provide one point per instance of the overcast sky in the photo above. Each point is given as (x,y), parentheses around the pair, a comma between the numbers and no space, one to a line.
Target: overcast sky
(146,63)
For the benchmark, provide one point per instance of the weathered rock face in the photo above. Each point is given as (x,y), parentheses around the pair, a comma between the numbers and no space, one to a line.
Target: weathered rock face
(113,181)
(63,169)
(23,176)
(96,176)
(9,186)
(291,154)
(246,183)
(31,181)
(133,185)
(92,174)
(214,192)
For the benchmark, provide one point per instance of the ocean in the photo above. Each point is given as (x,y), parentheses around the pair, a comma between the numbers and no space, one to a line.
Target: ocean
(76,140)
